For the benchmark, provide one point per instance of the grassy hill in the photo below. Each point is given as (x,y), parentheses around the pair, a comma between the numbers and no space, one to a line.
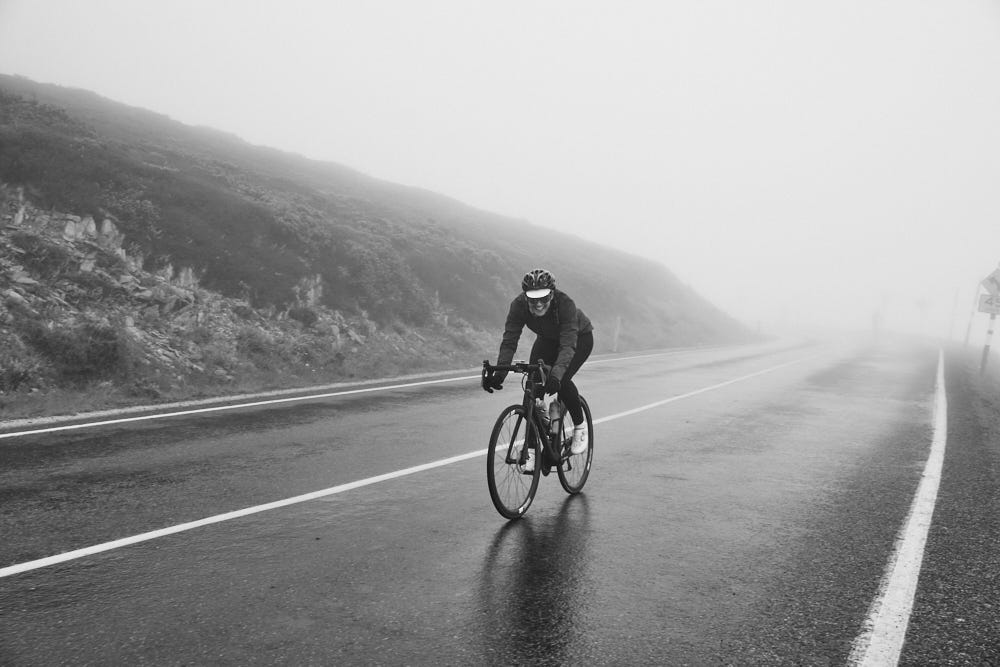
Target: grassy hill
(283,234)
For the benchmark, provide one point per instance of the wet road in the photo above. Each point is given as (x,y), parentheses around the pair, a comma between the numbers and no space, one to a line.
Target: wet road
(749,521)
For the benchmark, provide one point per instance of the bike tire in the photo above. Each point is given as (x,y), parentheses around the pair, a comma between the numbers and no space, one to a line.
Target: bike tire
(575,469)
(511,490)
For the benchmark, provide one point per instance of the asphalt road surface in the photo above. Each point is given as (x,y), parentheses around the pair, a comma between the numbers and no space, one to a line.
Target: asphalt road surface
(747,515)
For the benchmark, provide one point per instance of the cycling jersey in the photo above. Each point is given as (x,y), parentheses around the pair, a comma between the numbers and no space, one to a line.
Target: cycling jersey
(562,323)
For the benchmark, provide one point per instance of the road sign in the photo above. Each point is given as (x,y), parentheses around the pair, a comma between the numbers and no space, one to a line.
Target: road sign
(989,303)
(992,282)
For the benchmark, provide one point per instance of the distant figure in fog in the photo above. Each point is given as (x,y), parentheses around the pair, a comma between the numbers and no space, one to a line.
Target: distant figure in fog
(565,340)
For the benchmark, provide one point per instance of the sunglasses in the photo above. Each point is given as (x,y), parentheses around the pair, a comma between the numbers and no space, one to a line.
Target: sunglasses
(540,300)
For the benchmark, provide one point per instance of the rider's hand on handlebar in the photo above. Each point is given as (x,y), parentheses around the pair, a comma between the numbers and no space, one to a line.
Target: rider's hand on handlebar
(494,381)
(552,385)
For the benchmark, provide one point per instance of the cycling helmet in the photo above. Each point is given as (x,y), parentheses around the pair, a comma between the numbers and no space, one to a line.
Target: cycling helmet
(538,283)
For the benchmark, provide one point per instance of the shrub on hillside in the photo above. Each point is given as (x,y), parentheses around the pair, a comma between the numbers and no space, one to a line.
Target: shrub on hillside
(307,316)
(94,284)
(200,335)
(41,255)
(18,366)
(314,351)
(110,262)
(258,347)
(218,355)
(251,341)
(82,352)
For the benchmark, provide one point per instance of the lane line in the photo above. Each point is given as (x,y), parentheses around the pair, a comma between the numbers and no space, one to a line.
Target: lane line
(657,404)
(274,401)
(171,530)
(884,631)
(163,532)
(219,408)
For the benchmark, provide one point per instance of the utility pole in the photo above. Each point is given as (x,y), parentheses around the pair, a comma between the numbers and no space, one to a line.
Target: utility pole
(951,320)
(972,315)
(986,349)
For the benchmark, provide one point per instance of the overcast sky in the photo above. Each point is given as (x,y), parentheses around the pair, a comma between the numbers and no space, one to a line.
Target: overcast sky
(795,161)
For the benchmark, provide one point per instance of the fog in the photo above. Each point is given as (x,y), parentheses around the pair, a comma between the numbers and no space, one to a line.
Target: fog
(806,165)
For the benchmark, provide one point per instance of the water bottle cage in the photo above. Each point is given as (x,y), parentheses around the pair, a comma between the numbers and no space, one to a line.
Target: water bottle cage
(555,415)
(543,414)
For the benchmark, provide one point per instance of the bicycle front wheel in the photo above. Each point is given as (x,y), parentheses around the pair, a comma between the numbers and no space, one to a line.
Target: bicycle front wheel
(511,488)
(575,468)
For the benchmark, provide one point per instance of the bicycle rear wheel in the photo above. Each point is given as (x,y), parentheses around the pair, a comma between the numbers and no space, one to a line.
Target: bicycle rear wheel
(575,468)
(511,489)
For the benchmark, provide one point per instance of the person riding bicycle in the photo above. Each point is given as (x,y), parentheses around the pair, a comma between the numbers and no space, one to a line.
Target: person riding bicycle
(565,338)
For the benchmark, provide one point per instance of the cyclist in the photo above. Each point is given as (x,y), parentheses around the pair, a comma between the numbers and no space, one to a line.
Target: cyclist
(565,340)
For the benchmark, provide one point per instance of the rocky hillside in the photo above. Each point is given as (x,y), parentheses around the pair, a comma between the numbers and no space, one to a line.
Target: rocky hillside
(82,321)
(162,260)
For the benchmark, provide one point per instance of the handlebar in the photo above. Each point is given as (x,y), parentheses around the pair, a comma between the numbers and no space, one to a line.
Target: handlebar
(518,367)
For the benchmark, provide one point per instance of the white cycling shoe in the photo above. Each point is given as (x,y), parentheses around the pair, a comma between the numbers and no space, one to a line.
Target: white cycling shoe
(580,440)
(529,462)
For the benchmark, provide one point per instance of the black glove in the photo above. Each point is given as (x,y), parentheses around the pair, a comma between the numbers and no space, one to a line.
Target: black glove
(552,385)
(494,381)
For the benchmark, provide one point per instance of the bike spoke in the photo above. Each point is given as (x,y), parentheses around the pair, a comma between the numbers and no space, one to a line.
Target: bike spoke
(510,488)
(575,468)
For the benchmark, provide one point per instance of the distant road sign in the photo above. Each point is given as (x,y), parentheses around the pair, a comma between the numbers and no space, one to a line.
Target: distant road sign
(992,282)
(989,303)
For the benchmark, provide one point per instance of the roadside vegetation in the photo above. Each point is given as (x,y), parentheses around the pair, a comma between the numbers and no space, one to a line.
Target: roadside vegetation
(143,259)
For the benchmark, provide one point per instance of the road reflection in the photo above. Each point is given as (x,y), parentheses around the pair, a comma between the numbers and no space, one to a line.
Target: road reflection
(533,586)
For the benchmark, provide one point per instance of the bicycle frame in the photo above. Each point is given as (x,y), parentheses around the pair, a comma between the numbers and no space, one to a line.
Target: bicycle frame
(533,383)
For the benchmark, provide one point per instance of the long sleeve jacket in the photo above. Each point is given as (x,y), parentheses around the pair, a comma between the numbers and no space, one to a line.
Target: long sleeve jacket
(563,322)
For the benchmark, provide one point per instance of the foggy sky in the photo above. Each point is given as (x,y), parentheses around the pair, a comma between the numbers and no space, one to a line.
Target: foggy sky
(796,162)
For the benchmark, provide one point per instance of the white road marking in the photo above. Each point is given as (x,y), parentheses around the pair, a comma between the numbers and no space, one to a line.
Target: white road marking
(693,393)
(881,640)
(269,401)
(163,532)
(219,408)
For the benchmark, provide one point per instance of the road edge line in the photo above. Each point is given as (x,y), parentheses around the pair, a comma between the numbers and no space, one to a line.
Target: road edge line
(219,408)
(884,630)
(55,423)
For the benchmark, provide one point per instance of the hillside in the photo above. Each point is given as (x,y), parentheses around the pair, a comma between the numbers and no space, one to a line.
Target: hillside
(278,235)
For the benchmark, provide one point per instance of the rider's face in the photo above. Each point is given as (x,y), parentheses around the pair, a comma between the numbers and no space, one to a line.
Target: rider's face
(540,306)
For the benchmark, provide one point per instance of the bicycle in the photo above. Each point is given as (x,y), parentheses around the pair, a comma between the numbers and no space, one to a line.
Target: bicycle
(521,428)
